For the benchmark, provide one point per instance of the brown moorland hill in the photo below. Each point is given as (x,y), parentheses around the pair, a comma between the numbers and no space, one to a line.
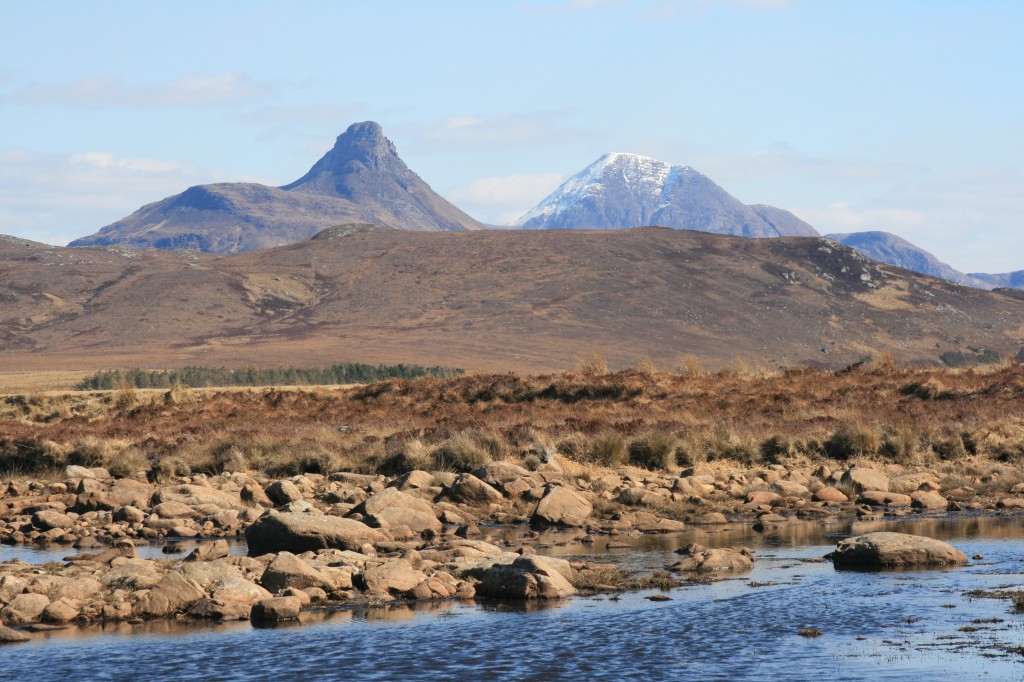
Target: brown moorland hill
(496,301)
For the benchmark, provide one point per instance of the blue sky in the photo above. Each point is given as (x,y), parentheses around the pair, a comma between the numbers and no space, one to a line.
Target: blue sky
(901,116)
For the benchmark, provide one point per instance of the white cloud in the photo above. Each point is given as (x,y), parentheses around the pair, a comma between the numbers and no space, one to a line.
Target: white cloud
(193,90)
(56,198)
(501,200)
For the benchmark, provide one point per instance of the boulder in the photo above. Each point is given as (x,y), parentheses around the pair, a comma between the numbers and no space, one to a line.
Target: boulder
(894,550)
(276,609)
(49,519)
(283,492)
(60,611)
(1010,503)
(469,489)
(172,594)
(863,478)
(928,499)
(709,519)
(209,551)
(414,479)
(417,521)
(253,494)
(758,498)
(220,609)
(561,506)
(288,570)
(528,577)
(9,636)
(302,532)
(879,498)
(175,510)
(197,495)
(238,589)
(24,608)
(829,495)
(395,577)
(700,558)
(790,488)
(129,514)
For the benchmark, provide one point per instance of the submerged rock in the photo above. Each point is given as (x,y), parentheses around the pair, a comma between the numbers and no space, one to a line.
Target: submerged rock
(528,577)
(700,558)
(894,550)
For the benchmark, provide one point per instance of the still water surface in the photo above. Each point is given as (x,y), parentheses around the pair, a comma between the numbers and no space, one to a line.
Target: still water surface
(875,626)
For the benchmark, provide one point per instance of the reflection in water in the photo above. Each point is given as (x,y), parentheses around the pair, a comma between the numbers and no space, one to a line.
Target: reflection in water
(884,626)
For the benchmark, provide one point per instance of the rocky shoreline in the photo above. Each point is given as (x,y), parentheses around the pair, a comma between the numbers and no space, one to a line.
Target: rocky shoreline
(350,539)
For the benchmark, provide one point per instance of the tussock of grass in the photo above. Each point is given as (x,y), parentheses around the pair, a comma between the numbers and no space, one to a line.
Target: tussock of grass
(653,450)
(607,449)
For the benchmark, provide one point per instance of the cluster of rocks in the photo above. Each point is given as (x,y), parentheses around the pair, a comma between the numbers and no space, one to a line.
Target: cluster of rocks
(344,538)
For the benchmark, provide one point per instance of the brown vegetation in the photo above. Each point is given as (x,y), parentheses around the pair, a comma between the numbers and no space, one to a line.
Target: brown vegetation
(651,420)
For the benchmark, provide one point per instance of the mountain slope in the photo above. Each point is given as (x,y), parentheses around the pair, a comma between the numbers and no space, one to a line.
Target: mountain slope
(530,301)
(888,248)
(362,179)
(627,190)
(1013,280)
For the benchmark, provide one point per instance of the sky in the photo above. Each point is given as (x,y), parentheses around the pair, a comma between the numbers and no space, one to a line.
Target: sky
(903,116)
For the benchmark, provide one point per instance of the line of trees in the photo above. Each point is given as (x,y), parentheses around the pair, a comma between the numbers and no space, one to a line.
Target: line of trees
(196,377)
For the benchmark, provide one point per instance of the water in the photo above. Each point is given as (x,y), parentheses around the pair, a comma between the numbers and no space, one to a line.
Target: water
(875,626)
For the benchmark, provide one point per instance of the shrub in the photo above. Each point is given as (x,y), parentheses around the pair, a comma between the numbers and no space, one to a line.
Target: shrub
(851,441)
(125,396)
(899,444)
(646,366)
(949,445)
(594,364)
(690,366)
(461,453)
(168,468)
(653,450)
(932,389)
(607,449)
(574,446)
(776,448)
(727,443)
(127,463)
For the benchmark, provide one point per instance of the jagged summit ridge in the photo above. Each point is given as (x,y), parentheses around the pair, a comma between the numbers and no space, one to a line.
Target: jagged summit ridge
(361,148)
(621,190)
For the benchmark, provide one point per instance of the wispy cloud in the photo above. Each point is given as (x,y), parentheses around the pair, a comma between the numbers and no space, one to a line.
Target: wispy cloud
(55,198)
(501,200)
(193,90)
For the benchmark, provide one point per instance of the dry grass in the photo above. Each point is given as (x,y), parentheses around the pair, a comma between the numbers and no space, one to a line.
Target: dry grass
(587,419)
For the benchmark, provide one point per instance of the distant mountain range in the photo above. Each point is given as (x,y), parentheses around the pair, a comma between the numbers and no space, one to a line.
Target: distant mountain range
(628,190)
(363,180)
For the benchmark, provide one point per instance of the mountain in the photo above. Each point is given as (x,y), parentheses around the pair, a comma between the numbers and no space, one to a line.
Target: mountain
(488,300)
(627,190)
(362,179)
(889,248)
(1013,280)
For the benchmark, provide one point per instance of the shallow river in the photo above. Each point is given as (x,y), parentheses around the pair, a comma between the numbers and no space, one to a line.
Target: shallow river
(875,626)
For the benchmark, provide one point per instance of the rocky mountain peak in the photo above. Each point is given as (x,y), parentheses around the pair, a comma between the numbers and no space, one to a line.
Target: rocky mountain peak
(362,147)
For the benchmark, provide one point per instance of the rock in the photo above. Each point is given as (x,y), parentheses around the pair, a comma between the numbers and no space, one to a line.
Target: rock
(700,558)
(392,497)
(396,577)
(283,492)
(414,479)
(926,499)
(253,494)
(709,519)
(174,593)
(60,611)
(238,589)
(9,636)
(175,510)
(829,495)
(24,608)
(417,521)
(878,498)
(758,498)
(893,550)
(220,609)
(129,514)
(863,478)
(197,496)
(528,577)
(790,488)
(469,489)
(73,471)
(1010,503)
(288,570)
(276,609)
(209,551)
(908,483)
(302,532)
(49,520)
(561,506)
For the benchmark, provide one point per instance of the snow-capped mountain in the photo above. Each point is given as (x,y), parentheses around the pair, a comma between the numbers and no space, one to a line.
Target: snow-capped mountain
(628,190)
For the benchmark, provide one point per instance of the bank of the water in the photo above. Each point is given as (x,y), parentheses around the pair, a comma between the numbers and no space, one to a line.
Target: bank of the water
(918,625)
